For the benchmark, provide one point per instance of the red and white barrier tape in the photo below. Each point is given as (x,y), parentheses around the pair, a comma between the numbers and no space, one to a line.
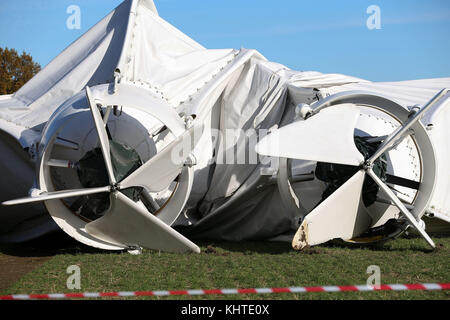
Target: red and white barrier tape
(391,287)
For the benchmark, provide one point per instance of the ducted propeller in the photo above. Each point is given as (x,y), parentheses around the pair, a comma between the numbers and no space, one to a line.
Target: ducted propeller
(328,136)
(126,222)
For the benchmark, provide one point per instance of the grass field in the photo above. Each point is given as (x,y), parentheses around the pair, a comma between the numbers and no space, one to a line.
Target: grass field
(238,265)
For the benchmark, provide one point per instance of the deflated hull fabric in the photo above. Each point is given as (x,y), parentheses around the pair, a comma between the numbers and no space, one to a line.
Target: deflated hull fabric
(18,224)
(226,89)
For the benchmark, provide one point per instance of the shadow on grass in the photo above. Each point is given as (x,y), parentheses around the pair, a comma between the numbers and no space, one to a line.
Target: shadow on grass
(247,247)
(385,247)
(59,243)
(390,245)
(48,245)
(266,247)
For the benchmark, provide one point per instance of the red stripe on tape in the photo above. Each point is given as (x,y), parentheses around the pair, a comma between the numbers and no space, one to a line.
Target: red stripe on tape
(314,289)
(415,286)
(348,288)
(74,295)
(445,286)
(178,293)
(243,291)
(109,294)
(212,291)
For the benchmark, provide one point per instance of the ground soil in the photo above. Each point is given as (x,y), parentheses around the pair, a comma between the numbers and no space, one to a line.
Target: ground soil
(19,259)
(13,268)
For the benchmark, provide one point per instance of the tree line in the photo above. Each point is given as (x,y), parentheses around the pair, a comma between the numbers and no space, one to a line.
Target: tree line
(15,70)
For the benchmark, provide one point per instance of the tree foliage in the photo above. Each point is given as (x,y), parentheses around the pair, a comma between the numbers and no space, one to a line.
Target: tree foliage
(15,70)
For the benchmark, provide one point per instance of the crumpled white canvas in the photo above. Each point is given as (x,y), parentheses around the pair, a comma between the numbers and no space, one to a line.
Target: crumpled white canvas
(230,89)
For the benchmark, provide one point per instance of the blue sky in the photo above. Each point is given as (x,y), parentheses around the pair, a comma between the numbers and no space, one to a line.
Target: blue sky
(323,35)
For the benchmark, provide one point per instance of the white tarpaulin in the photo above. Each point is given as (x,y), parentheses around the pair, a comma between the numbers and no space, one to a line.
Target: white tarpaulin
(227,88)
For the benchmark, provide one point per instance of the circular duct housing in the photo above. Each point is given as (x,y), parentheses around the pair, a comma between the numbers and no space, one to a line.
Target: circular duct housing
(412,160)
(139,125)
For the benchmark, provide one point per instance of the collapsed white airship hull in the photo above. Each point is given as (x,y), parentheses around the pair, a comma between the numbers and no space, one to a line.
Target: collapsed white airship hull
(153,82)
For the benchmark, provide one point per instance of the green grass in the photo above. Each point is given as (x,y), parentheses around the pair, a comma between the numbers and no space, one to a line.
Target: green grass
(248,265)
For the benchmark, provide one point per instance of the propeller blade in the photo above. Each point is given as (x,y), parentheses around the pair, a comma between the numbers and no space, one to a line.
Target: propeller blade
(409,216)
(102,135)
(127,223)
(325,137)
(57,195)
(158,172)
(342,215)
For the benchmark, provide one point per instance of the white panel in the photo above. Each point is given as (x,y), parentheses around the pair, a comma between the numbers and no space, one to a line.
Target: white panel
(342,215)
(126,223)
(157,173)
(325,137)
